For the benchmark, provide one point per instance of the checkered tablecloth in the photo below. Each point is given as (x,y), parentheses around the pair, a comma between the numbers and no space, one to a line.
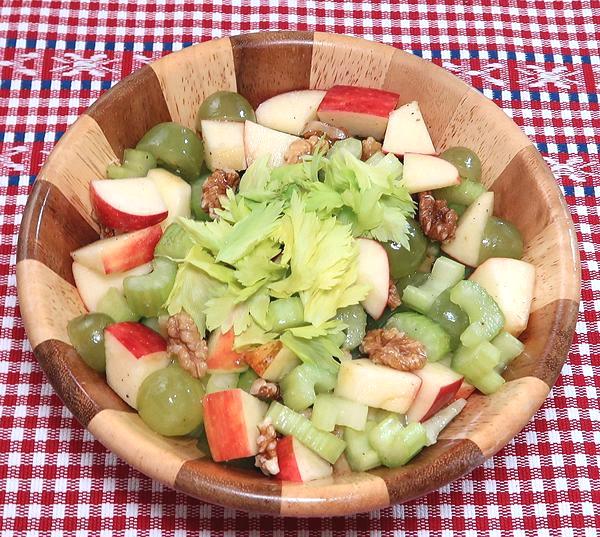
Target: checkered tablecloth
(538,60)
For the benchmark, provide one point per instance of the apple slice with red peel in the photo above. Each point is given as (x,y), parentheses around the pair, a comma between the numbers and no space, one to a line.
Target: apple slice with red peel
(465,391)
(224,144)
(92,285)
(221,357)
(407,133)
(231,419)
(127,204)
(374,271)
(259,141)
(133,351)
(426,172)
(362,111)
(439,385)
(120,253)
(291,111)
(298,463)
(175,192)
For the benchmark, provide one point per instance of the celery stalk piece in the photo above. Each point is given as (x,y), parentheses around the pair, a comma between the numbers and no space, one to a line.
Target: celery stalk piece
(438,422)
(286,313)
(175,242)
(445,274)
(114,305)
(330,410)
(300,386)
(147,294)
(288,422)
(359,453)
(509,346)
(485,316)
(430,334)
(395,444)
(219,382)
(478,365)
(382,438)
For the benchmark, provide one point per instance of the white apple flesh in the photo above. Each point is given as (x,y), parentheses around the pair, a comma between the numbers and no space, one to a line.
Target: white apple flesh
(298,463)
(259,141)
(407,133)
(119,253)
(175,192)
(426,172)
(511,283)
(362,111)
(439,385)
(374,271)
(133,351)
(224,144)
(127,204)
(231,419)
(92,285)
(466,244)
(291,111)
(377,386)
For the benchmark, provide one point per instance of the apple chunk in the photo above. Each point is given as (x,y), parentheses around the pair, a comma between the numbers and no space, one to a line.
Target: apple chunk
(259,141)
(298,463)
(127,204)
(426,172)
(221,357)
(291,111)
(374,271)
(224,144)
(511,283)
(120,253)
(439,385)
(377,385)
(175,192)
(466,244)
(92,285)
(133,351)
(465,391)
(231,419)
(271,361)
(362,111)
(407,133)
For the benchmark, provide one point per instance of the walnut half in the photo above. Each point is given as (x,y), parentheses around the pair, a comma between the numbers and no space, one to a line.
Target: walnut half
(389,346)
(266,459)
(437,220)
(185,342)
(215,186)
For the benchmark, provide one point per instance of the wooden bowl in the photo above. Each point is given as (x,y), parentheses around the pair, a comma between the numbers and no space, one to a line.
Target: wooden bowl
(58,220)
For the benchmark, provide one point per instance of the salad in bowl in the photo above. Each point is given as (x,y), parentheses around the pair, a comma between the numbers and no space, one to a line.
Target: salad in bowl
(304,286)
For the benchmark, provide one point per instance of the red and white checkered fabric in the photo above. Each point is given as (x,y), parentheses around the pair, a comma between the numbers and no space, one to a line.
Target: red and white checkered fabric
(538,60)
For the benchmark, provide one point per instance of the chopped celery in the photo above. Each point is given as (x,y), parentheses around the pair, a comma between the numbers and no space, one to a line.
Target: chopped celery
(359,453)
(478,366)
(485,316)
(113,303)
(509,346)
(136,163)
(395,444)
(330,410)
(450,317)
(419,327)
(300,386)
(355,319)
(148,293)
(286,313)
(438,422)
(219,382)
(246,379)
(445,274)
(175,243)
(352,145)
(288,422)
(464,193)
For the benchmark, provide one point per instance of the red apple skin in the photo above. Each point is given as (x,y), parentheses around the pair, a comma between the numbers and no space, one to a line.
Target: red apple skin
(465,391)
(445,396)
(221,357)
(223,423)
(137,338)
(137,251)
(369,101)
(114,218)
(288,469)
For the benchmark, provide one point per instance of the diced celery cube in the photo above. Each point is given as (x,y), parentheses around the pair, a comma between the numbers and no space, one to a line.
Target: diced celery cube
(359,453)
(330,410)
(509,346)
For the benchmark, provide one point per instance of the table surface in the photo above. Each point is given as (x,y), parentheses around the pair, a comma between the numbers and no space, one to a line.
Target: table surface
(540,64)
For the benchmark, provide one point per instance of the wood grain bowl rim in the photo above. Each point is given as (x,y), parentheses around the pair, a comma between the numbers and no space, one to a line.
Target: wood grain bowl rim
(57,219)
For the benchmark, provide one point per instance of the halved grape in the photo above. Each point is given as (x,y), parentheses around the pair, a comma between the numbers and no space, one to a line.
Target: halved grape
(225,106)
(403,261)
(465,160)
(86,333)
(170,401)
(500,239)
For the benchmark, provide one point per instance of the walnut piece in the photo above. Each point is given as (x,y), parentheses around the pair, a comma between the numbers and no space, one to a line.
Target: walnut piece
(393,300)
(319,129)
(437,220)
(370,146)
(264,389)
(304,146)
(215,186)
(389,346)
(266,459)
(185,343)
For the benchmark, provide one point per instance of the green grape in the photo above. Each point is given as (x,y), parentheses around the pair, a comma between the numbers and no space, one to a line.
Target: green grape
(465,160)
(403,261)
(170,401)
(86,333)
(356,320)
(500,239)
(225,106)
(176,148)
(450,317)
(198,213)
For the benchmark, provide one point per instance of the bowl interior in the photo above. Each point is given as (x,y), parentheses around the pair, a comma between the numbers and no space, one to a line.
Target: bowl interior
(58,220)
